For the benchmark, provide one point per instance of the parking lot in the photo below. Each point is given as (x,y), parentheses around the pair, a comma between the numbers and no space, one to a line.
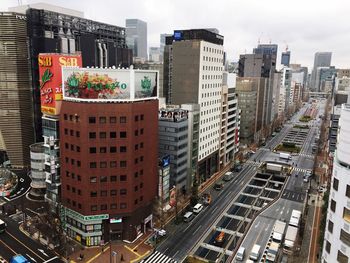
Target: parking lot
(235,221)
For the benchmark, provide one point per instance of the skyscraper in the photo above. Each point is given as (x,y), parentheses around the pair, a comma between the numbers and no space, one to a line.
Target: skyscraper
(136,37)
(285,59)
(322,59)
(16,121)
(336,244)
(193,68)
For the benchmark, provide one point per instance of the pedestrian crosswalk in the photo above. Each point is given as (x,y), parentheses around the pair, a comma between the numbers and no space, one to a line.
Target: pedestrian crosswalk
(250,162)
(296,169)
(306,155)
(157,257)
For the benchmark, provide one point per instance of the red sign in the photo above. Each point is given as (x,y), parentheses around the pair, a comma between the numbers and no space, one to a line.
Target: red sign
(50,72)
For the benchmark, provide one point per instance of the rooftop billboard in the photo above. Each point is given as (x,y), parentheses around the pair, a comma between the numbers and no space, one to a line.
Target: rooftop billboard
(87,84)
(50,72)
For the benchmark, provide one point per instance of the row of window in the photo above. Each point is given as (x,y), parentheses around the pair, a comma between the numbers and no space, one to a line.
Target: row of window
(103,135)
(213,50)
(207,77)
(210,94)
(211,59)
(103,206)
(336,186)
(346,212)
(341,257)
(72,133)
(211,86)
(212,68)
(103,178)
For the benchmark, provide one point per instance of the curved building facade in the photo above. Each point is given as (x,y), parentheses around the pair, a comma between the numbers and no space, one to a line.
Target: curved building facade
(337,233)
(37,173)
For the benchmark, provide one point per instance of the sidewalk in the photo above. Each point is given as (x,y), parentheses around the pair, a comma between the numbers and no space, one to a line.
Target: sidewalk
(117,252)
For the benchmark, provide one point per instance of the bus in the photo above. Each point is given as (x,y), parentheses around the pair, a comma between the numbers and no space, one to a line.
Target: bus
(2,226)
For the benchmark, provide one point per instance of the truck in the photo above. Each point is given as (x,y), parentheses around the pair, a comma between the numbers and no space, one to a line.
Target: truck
(278,231)
(273,167)
(286,156)
(255,253)
(272,252)
(289,240)
(295,218)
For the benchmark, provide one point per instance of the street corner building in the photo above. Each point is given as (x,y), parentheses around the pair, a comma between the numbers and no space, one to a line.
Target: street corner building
(109,153)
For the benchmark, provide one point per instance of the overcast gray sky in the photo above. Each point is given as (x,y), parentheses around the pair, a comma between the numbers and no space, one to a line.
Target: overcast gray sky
(306,26)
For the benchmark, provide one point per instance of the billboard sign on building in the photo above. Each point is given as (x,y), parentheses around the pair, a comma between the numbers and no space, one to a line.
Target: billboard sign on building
(50,72)
(86,84)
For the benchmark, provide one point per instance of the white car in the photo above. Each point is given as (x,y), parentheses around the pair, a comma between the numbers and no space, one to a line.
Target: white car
(160,232)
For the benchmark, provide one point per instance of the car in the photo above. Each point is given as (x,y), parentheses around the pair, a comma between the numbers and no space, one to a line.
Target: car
(160,232)
(219,186)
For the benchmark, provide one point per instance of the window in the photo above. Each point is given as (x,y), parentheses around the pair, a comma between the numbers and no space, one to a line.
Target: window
(77,133)
(113,206)
(330,226)
(122,119)
(347,191)
(103,164)
(78,163)
(113,192)
(103,179)
(103,149)
(92,150)
(122,191)
(113,135)
(141,117)
(141,131)
(73,189)
(123,178)
(113,178)
(141,185)
(66,131)
(136,132)
(141,172)
(122,163)
(141,158)
(136,147)
(79,192)
(103,193)
(103,120)
(67,174)
(113,119)
(103,135)
(346,214)
(122,205)
(93,194)
(342,258)
(345,237)
(73,175)
(335,184)
(66,145)
(136,201)
(72,161)
(65,117)
(94,208)
(136,188)
(122,134)
(68,187)
(93,179)
(92,120)
(333,205)
(92,135)
(122,149)
(136,174)
(78,149)
(141,198)
(79,178)
(93,165)
(72,147)
(74,203)
(113,149)
(136,118)
(328,247)
(136,160)
(141,145)
(79,205)
(113,164)
(71,132)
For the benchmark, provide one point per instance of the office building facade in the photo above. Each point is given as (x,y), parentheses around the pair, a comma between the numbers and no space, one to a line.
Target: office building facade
(37,172)
(136,37)
(285,58)
(16,121)
(109,154)
(321,59)
(193,67)
(336,245)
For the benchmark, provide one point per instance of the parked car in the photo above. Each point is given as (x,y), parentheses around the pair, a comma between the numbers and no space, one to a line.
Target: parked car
(160,232)
(219,186)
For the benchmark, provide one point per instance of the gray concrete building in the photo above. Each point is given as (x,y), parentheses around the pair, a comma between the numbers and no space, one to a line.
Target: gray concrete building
(321,59)
(16,119)
(173,141)
(136,37)
(37,171)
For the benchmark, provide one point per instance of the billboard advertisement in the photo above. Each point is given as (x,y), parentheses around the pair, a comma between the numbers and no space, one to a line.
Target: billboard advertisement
(146,84)
(50,73)
(93,84)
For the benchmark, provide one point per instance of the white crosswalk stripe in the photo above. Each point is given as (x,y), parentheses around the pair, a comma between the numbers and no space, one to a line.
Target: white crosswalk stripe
(296,169)
(306,155)
(158,257)
(250,162)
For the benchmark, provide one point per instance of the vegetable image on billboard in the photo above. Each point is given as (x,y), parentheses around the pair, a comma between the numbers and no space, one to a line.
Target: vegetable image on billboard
(146,84)
(96,84)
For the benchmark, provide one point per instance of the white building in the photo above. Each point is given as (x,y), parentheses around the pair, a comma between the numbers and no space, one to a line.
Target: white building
(337,233)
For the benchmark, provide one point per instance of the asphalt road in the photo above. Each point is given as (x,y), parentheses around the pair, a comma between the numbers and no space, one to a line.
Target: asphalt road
(14,242)
(23,186)
(183,237)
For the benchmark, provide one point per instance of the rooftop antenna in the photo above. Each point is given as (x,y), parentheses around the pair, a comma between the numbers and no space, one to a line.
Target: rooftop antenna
(287,47)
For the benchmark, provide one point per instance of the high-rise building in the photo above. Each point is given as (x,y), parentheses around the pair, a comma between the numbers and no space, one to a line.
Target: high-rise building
(154,54)
(285,59)
(322,59)
(109,153)
(16,120)
(193,67)
(324,74)
(162,44)
(336,245)
(136,37)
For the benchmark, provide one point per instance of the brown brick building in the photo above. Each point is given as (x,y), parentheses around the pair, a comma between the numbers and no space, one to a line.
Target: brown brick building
(108,168)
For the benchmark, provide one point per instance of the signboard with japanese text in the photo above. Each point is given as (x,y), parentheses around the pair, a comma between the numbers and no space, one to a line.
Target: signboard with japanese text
(50,72)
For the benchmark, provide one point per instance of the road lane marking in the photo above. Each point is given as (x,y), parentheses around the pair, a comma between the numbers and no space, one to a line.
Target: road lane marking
(51,259)
(212,212)
(26,246)
(30,257)
(196,230)
(8,247)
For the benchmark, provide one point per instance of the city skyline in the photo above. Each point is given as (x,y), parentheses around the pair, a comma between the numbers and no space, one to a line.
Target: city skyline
(242,24)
